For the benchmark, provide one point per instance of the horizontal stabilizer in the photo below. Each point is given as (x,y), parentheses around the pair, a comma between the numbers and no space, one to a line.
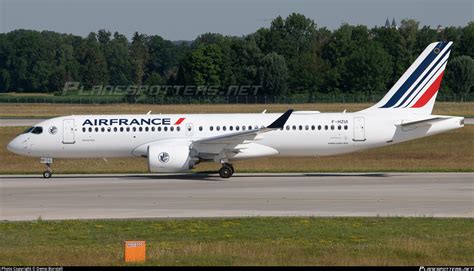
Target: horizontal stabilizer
(428,121)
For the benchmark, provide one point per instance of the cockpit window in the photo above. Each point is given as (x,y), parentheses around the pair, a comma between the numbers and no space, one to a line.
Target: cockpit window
(28,130)
(37,130)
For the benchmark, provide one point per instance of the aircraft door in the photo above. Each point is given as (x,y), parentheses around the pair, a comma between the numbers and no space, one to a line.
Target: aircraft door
(68,131)
(359,129)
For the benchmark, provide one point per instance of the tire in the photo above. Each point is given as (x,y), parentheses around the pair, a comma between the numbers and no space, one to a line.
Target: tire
(225,172)
(47,174)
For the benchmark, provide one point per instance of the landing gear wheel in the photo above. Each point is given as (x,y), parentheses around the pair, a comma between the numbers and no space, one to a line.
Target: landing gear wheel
(47,174)
(226,171)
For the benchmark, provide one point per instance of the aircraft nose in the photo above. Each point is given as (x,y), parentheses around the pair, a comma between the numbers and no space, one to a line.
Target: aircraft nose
(15,146)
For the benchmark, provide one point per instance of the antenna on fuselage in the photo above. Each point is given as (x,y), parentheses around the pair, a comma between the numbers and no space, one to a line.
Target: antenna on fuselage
(148,112)
(264,111)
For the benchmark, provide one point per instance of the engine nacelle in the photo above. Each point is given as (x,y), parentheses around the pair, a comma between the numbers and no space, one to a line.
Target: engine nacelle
(170,157)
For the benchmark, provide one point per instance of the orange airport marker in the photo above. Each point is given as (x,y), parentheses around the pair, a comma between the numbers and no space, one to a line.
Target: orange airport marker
(134,251)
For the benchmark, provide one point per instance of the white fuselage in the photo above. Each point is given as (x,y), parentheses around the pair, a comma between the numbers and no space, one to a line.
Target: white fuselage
(306,133)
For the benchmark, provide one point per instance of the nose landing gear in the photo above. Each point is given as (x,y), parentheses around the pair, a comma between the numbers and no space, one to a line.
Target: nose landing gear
(47,161)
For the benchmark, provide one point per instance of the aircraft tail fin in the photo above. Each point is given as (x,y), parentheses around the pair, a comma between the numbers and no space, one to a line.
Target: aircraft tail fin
(417,88)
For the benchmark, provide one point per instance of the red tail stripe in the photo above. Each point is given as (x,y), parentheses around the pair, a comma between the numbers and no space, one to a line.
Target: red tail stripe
(178,122)
(426,97)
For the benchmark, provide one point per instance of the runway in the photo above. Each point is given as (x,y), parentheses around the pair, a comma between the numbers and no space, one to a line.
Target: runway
(202,195)
(5,122)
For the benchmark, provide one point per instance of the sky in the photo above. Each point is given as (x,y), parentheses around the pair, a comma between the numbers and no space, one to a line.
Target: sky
(186,19)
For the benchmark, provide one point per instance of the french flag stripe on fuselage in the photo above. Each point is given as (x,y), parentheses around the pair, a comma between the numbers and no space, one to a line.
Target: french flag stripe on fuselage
(179,121)
(425,79)
(415,75)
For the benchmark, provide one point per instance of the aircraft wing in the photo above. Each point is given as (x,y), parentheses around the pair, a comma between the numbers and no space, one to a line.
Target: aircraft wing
(222,144)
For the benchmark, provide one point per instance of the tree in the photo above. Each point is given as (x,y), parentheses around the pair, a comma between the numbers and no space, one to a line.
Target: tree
(139,55)
(119,62)
(394,44)
(368,70)
(274,75)
(460,74)
(467,40)
(202,66)
(93,65)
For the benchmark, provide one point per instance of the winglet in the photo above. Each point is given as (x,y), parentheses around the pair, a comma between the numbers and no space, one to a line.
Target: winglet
(280,122)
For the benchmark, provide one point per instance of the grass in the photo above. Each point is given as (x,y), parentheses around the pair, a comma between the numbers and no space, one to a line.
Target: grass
(51,110)
(450,151)
(243,241)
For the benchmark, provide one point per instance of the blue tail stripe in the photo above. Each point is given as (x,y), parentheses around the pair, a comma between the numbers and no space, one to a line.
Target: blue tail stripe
(412,78)
(426,83)
(423,79)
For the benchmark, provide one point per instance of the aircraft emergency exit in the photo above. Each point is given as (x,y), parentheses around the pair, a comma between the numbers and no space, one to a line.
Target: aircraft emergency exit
(178,142)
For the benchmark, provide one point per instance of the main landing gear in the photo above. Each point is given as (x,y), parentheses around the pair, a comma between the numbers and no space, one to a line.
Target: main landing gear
(48,173)
(226,171)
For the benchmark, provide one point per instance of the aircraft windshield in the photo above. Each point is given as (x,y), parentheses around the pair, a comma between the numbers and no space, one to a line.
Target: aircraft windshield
(28,130)
(34,130)
(37,130)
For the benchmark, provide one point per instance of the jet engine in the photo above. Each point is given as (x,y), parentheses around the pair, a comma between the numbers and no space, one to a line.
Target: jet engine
(170,157)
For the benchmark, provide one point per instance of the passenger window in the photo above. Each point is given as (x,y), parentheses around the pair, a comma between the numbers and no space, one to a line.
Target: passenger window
(339,127)
(325,127)
(152,128)
(313,127)
(231,128)
(200,128)
(211,128)
(237,128)
(128,129)
(102,129)
(84,129)
(109,129)
(218,128)
(250,127)
(165,128)
(115,129)
(294,127)
(171,129)
(90,129)
(287,127)
(332,127)
(96,129)
(345,127)
(146,129)
(244,128)
(223,128)
(159,128)
(178,128)
(306,127)
(319,127)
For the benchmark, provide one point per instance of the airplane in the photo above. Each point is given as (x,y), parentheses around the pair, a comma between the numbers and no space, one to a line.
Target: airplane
(178,142)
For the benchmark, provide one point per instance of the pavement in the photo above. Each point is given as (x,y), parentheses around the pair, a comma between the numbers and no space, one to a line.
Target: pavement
(6,122)
(26,197)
